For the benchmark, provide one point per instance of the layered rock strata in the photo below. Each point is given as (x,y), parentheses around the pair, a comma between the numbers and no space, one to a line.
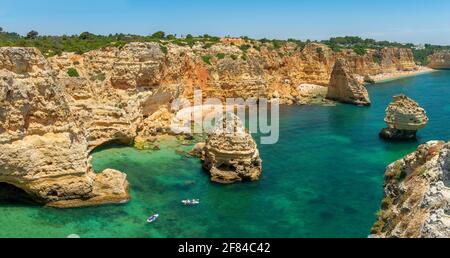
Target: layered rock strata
(44,147)
(404,118)
(439,60)
(416,200)
(224,70)
(230,154)
(344,87)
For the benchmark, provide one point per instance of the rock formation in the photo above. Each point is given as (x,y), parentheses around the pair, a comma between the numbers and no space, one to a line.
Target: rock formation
(228,70)
(368,79)
(416,200)
(404,118)
(230,153)
(44,149)
(51,121)
(439,60)
(344,87)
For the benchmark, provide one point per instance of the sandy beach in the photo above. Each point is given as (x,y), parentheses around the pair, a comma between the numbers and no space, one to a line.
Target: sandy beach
(385,77)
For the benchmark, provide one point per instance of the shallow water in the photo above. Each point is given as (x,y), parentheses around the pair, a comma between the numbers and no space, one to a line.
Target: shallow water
(323,179)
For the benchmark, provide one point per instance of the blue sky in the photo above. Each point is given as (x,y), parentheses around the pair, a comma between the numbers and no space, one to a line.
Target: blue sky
(416,21)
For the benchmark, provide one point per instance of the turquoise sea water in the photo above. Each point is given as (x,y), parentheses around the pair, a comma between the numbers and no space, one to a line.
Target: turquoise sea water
(323,179)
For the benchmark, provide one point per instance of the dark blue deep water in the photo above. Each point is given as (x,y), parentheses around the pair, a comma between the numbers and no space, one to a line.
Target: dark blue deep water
(323,179)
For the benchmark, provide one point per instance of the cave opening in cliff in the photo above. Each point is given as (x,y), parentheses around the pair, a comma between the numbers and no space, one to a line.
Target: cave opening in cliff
(13,195)
(114,143)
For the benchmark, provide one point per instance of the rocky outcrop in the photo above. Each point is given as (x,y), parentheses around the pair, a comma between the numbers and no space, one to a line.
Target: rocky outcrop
(404,118)
(369,79)
(44,147)
(439,60)
(416,200)
(344,87)
(230,154)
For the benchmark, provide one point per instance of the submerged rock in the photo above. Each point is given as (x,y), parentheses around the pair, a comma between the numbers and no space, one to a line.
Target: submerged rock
(198,149)
(404,118)
(345,87)
(231,155)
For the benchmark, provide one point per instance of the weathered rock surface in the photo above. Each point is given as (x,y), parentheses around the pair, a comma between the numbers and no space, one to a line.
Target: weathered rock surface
(416,200)
(251,73)
(44,148)
(231,155)
(404,118)
(344,87)
(439,60)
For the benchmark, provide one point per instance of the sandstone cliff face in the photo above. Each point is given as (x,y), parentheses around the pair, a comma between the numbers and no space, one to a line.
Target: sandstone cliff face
(344,87)
(225,70)
(44,149)
(404,118)
(439,60)
(417,195)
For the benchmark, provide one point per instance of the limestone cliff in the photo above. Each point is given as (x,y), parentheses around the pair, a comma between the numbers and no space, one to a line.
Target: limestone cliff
(416,200)
(439,60)
(44,148)
(225,70)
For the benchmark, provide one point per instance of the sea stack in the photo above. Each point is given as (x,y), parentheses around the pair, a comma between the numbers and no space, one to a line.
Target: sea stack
(404,118)
(345,87)
(231,154)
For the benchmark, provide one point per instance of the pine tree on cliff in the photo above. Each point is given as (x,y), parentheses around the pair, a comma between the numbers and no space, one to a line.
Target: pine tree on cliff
(32,34)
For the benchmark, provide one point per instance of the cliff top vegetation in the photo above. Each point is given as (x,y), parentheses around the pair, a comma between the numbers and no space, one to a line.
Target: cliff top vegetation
(84,42)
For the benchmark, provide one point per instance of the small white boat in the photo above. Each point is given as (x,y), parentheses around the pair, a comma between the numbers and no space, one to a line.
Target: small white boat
(153,218)
(191,202)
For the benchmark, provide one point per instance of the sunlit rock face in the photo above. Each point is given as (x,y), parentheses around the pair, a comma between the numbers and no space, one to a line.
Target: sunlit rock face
(439,60)
(344,87)
(231,155)
(44,148)
(404,118)
(416,201)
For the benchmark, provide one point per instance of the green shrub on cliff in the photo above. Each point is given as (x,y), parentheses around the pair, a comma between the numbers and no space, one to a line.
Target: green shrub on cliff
(207,59)
(72,72)
(245,47)
(360,50)
(377,58)
(220,56)
(277,44)
(164,49)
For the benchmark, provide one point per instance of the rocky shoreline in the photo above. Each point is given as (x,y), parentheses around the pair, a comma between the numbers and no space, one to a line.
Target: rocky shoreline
(416,200)
(56,111)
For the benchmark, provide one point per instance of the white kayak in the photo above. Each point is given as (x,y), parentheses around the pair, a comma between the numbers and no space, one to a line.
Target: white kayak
(153,218)
(191,202)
